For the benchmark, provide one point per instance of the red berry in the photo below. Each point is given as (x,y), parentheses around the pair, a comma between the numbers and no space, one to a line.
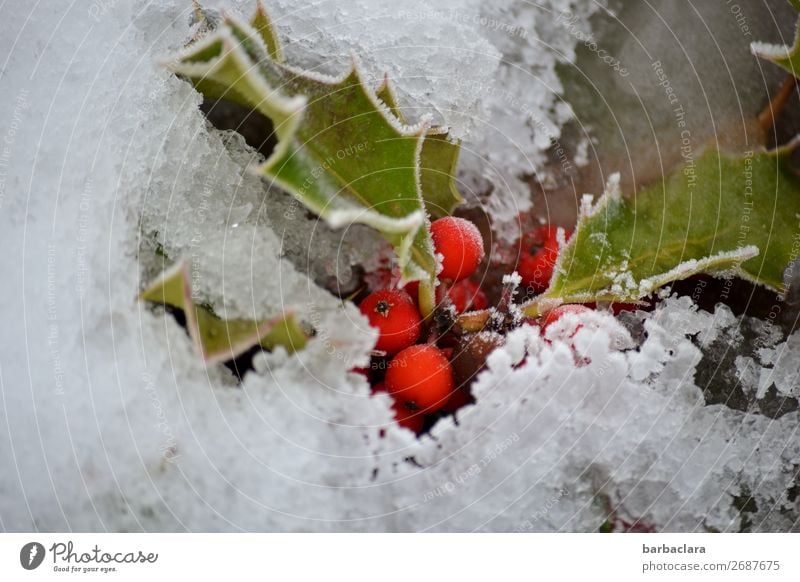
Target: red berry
(536,266)
(412,288)
(555,314)
(420,377)
(467,296)
(536,270)
(538,237)
(458,399)
(393,312)
(461,245)
(413,420)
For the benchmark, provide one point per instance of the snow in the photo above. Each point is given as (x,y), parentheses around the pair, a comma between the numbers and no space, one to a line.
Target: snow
(505,100)
(771,51)
(110,420)
(524,111)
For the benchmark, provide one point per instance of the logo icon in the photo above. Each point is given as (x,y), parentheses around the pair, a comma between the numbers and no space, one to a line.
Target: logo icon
(31,555)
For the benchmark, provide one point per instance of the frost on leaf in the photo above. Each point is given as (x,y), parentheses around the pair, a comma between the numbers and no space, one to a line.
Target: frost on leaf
(725,215)
(341,151)
(437,161)
(218,339)
(784,56)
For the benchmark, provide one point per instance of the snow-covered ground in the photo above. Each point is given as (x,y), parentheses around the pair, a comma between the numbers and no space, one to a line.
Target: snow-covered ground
(110,420)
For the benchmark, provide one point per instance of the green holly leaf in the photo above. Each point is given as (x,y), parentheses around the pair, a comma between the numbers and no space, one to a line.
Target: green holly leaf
(341,151)
(217,339)
(784,56)
(726,215)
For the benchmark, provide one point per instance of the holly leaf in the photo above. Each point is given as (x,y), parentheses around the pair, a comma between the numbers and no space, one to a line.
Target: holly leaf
(262,24)
(219,340)
(341,151)
(784,56)
(723,214)
(438,160)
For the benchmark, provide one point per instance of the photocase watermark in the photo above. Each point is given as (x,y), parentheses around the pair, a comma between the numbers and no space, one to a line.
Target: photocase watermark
(472,471)
(94,560)
(570,22)
(31,555)
(65,558)
(6,146)
(463,17)
(530,522)
(169,446)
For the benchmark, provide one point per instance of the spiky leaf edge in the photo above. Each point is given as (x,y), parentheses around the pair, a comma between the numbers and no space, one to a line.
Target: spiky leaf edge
(786,57)
(725,264)
(286,115)
(173,288)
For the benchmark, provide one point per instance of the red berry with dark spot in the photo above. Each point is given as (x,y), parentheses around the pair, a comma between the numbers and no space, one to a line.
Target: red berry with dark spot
(394,314)
(467,296)
(420,377)
(461,245)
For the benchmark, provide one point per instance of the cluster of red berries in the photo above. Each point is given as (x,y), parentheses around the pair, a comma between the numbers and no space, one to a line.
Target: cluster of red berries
(427,379)
(419,376)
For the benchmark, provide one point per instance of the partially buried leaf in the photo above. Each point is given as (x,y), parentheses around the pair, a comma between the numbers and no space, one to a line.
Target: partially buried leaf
(217,339)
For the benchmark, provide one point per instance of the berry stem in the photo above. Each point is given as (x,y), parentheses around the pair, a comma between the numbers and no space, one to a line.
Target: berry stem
(427,298)
(767,117)
(539,306)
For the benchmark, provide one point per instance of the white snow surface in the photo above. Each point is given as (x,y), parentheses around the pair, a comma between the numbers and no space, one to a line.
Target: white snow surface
(111,422)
